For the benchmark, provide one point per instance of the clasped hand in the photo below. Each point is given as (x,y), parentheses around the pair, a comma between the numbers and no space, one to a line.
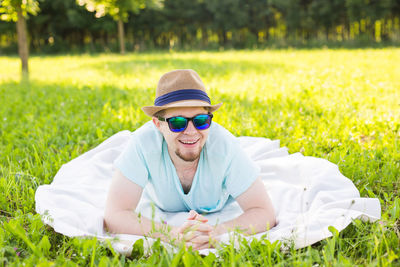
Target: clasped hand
(196,232)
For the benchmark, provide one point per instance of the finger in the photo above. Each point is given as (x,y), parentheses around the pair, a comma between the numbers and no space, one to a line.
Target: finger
(189,235)
(210,244)
(192,215)
(202,227)
(202,246)
(196,236)
(192,225)
(198,244)
(193,234)
(186,226)
(199,239)
(201,218)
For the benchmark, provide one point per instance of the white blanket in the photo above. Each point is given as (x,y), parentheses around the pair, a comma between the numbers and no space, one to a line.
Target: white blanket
(309,195)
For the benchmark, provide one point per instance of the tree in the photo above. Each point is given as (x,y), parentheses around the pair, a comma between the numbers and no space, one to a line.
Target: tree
(322,15)
(17,11)
(260,16)
(185,18)
(228,15)
(64,26)
(118,10)
(293,14)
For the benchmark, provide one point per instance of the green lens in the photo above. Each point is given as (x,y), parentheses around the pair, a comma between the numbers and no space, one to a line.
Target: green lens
(177,124)
(202,121)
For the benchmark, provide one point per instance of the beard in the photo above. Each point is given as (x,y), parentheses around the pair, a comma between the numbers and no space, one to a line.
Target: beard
(190,157)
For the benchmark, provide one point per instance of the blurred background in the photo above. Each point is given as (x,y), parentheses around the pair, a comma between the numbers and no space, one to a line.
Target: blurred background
(70,26)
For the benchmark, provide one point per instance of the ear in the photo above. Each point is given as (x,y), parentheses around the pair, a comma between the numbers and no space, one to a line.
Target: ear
(156,123)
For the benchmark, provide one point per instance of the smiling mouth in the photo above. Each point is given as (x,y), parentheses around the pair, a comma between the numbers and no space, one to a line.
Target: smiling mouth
(189,142)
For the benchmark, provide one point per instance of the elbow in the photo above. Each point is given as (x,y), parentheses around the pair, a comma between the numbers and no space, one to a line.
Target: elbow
(121,222)
(270,219)
(109,222)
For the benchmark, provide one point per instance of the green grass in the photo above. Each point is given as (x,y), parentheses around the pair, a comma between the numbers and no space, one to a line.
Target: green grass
(341,105)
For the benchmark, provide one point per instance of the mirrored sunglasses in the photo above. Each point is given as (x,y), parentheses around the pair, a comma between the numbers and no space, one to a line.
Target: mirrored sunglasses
(179,124)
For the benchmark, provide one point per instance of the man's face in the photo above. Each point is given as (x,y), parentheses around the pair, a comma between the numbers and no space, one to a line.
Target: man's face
(187,144)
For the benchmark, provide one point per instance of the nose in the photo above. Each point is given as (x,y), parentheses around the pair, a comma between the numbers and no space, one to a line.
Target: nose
(190,129)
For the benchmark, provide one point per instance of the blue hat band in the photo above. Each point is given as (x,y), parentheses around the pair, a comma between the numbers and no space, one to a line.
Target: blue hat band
(184,94)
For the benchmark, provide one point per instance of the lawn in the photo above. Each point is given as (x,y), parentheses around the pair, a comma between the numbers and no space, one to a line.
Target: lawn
(341,105)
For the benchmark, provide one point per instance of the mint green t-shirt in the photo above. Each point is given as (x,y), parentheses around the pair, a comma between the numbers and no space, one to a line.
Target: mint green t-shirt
(224,170)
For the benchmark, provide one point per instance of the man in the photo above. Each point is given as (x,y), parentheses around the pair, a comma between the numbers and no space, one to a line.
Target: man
(188,164)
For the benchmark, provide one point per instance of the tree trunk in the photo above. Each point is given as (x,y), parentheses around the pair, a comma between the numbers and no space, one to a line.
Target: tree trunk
(204,36)
(22,42)
(326,34)
(121,36)
(225,37)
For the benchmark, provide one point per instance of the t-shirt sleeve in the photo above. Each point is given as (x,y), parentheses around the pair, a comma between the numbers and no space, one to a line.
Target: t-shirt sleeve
(241,173)
(132,164)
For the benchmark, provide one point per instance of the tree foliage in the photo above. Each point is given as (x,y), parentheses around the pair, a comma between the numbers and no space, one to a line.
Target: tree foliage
(65,25)
(9,9)
(117,9)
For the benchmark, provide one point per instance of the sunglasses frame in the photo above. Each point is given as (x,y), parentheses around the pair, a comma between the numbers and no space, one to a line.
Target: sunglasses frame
(187,122)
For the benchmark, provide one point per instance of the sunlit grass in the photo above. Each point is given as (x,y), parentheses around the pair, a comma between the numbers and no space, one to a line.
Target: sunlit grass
(342,105)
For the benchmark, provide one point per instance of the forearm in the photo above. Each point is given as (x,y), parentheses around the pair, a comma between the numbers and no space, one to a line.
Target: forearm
(252,221)
(128,222)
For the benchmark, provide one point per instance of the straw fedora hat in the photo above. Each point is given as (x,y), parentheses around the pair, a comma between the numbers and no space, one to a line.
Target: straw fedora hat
(180,88)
